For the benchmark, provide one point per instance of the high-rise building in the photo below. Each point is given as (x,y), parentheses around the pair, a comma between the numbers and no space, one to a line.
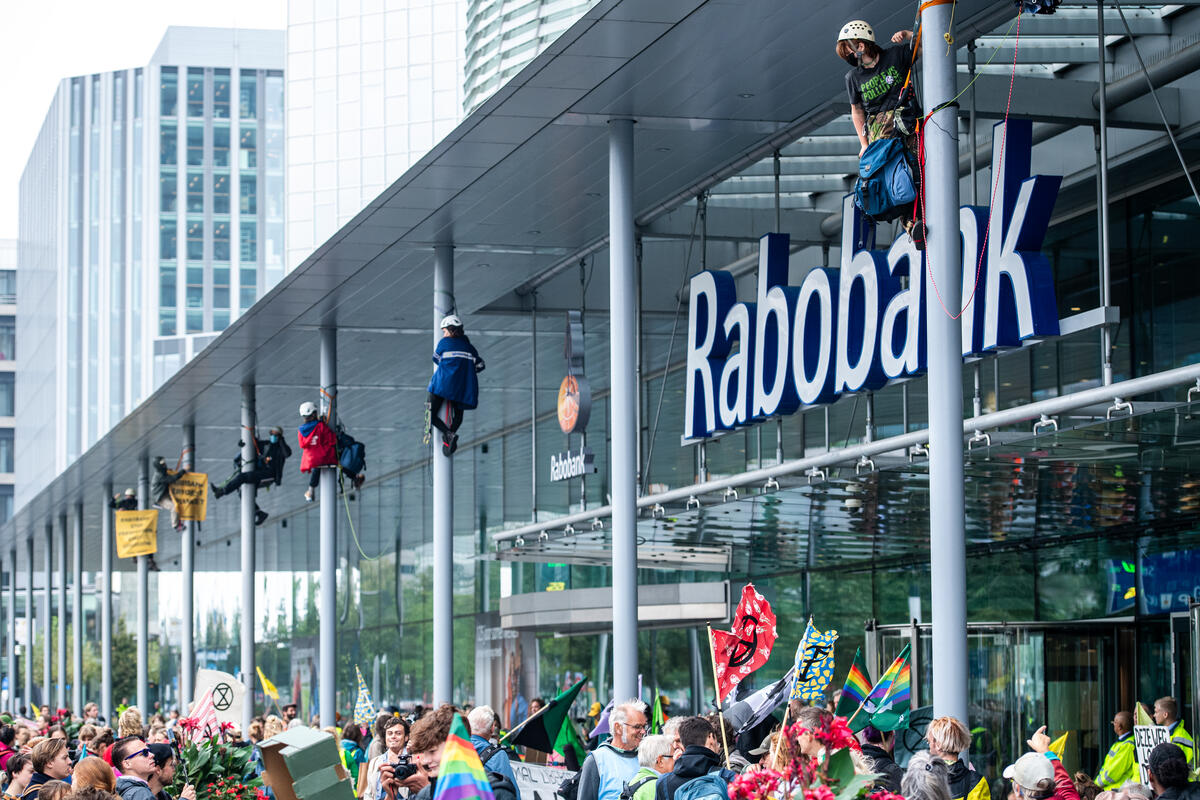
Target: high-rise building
(505,35)
(371,87)
(151,215)
(8,370)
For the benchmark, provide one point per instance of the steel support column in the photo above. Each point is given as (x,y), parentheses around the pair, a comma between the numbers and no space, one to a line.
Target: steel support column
(622,299)
(47,616)
(328,491)
(11,649)
(248,496)
(29,621)
(1106,369)
(60,696)
(77,625)
(106,606)
(443,505)
(946,528)
(187,579)
(143,599)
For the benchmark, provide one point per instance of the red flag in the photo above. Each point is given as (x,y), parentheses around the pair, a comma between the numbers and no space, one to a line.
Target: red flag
(204,715)
(748,646)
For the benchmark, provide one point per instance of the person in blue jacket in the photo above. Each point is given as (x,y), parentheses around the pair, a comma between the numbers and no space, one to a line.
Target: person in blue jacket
(454,386)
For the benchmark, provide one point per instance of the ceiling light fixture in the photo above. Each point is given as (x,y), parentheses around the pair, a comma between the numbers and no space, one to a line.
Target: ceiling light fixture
(746,95)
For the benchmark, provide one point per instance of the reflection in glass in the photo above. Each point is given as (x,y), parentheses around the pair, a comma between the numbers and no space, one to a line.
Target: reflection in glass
(221,92)
(195,91)
(169,91)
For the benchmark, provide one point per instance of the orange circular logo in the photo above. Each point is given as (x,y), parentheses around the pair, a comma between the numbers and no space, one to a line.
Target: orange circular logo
(574,404)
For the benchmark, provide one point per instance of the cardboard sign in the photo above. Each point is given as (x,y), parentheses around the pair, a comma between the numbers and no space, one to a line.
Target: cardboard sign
(1145,739)
(228,693)
(535,782)
(305,764)
(190,494)
(137,533)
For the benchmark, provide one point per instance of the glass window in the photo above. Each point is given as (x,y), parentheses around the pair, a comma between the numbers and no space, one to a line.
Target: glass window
(8,338)
(248,276)
(195,240)
(8,394)
(247,296)
(195,91)
(221,193)
(221,242)
(167,239)
(195,192)
(249,241)
(248,94)
(168,190)
(249,203)
(274,96)
(167,145)
(195,297)
(220,156)
(220,319)
(195,145)
(274,145)
(166,287)
(195,321)
(220,297)
(248,151)
(195,274)
(166,322)
(169,91)
(137,93)
(221,93)
(8,286)
(6,449)
(6,503)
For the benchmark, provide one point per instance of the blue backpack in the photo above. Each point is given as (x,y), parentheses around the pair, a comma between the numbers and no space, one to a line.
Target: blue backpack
(352,454)
(706,787)
(885,183)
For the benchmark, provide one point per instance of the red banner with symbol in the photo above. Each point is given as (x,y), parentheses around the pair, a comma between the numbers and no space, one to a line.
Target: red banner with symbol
(747,647)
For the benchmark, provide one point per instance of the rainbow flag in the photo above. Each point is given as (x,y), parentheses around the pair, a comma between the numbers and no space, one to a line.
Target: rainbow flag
(889,700)
(856,688)
(461,776)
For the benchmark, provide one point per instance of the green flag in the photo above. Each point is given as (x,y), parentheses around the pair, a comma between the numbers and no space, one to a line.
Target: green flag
(856,688)
(569,745)
(545,732)
(658,717)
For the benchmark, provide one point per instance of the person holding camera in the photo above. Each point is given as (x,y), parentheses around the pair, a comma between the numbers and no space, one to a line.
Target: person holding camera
(395,754)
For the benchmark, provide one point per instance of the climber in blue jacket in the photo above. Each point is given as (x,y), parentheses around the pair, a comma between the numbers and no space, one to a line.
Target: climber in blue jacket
(454,386)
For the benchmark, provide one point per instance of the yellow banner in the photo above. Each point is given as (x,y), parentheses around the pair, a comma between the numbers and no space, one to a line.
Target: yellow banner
(190,494)
(137,533)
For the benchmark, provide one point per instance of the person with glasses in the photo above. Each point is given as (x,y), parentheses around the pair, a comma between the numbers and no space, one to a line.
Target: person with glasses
(134,760)
(613,764)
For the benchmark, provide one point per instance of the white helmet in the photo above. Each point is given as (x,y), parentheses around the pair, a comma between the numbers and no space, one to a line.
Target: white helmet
(308,408)
(857,29)
(451,321)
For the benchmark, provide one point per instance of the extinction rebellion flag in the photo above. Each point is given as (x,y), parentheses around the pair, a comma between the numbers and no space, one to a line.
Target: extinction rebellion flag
(747,647)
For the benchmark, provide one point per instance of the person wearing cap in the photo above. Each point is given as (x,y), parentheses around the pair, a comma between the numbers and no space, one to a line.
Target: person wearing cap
(164,775)
(948,737)
(124,502)
(454,386)
(1167,769)
(1166,713)
(318,446)
(270,455)
(1120,765)
(875,85)
(1040,774)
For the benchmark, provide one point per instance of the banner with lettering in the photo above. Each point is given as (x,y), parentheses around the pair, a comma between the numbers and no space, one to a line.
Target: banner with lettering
(137,533)
(190,494)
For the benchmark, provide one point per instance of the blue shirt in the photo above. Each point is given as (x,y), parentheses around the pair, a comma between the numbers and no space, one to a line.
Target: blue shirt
(454,376)
(497,763)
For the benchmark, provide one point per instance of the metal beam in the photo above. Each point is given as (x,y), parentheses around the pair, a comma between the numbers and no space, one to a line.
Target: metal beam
(327,635)
(739,224)
(247,495)
(143,597)
(443,505)
(1068,102)
(77,626)
(187,556)
(106,605)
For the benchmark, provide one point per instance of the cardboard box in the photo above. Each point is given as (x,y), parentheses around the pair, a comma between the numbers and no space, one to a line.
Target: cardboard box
(304,764)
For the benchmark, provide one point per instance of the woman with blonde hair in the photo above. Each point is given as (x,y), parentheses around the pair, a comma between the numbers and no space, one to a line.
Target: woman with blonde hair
(130,723)
(94,772)
(947,737)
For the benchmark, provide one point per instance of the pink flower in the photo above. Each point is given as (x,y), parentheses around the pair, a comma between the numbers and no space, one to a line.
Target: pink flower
(818,793)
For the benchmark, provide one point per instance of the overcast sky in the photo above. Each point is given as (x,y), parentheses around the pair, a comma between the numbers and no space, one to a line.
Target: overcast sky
(42,43)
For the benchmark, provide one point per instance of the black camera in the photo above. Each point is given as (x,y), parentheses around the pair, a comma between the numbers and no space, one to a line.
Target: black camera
(404,768)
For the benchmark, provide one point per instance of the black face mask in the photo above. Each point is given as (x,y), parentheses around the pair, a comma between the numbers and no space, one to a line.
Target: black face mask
(851,59)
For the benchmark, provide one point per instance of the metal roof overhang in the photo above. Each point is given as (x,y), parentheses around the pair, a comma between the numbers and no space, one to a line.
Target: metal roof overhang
(519,188)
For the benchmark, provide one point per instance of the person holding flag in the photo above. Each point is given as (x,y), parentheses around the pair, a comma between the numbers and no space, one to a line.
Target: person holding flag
(441,748)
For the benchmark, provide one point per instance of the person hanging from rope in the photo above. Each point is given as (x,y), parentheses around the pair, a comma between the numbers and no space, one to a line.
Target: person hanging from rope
(160,489)
(882,102)
(318,447)
(269,457)
(454,386)
(124,502)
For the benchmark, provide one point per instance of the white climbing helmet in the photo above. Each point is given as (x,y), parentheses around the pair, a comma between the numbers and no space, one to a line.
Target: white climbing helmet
(308,408)
(857,29)
(451,321)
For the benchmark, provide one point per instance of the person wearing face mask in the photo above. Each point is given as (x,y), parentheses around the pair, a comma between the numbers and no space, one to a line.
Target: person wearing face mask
(270,455)
(876,85)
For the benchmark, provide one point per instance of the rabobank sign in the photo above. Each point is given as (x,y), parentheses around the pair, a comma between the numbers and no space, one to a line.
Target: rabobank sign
(854,328)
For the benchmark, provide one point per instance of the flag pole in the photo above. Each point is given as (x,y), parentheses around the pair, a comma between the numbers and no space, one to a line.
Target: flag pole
(717,691)
(782,731)
(527,720)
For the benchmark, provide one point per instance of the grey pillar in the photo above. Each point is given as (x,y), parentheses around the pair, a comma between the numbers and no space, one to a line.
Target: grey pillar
(106,606)
(187,560)
(328,585)
(443,506)
(77,626)
(47,616)
(143,600)
(11,651)
(248,496)
(29,623)
(1106,368)
(622,300)
(61,661)
(946,528)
